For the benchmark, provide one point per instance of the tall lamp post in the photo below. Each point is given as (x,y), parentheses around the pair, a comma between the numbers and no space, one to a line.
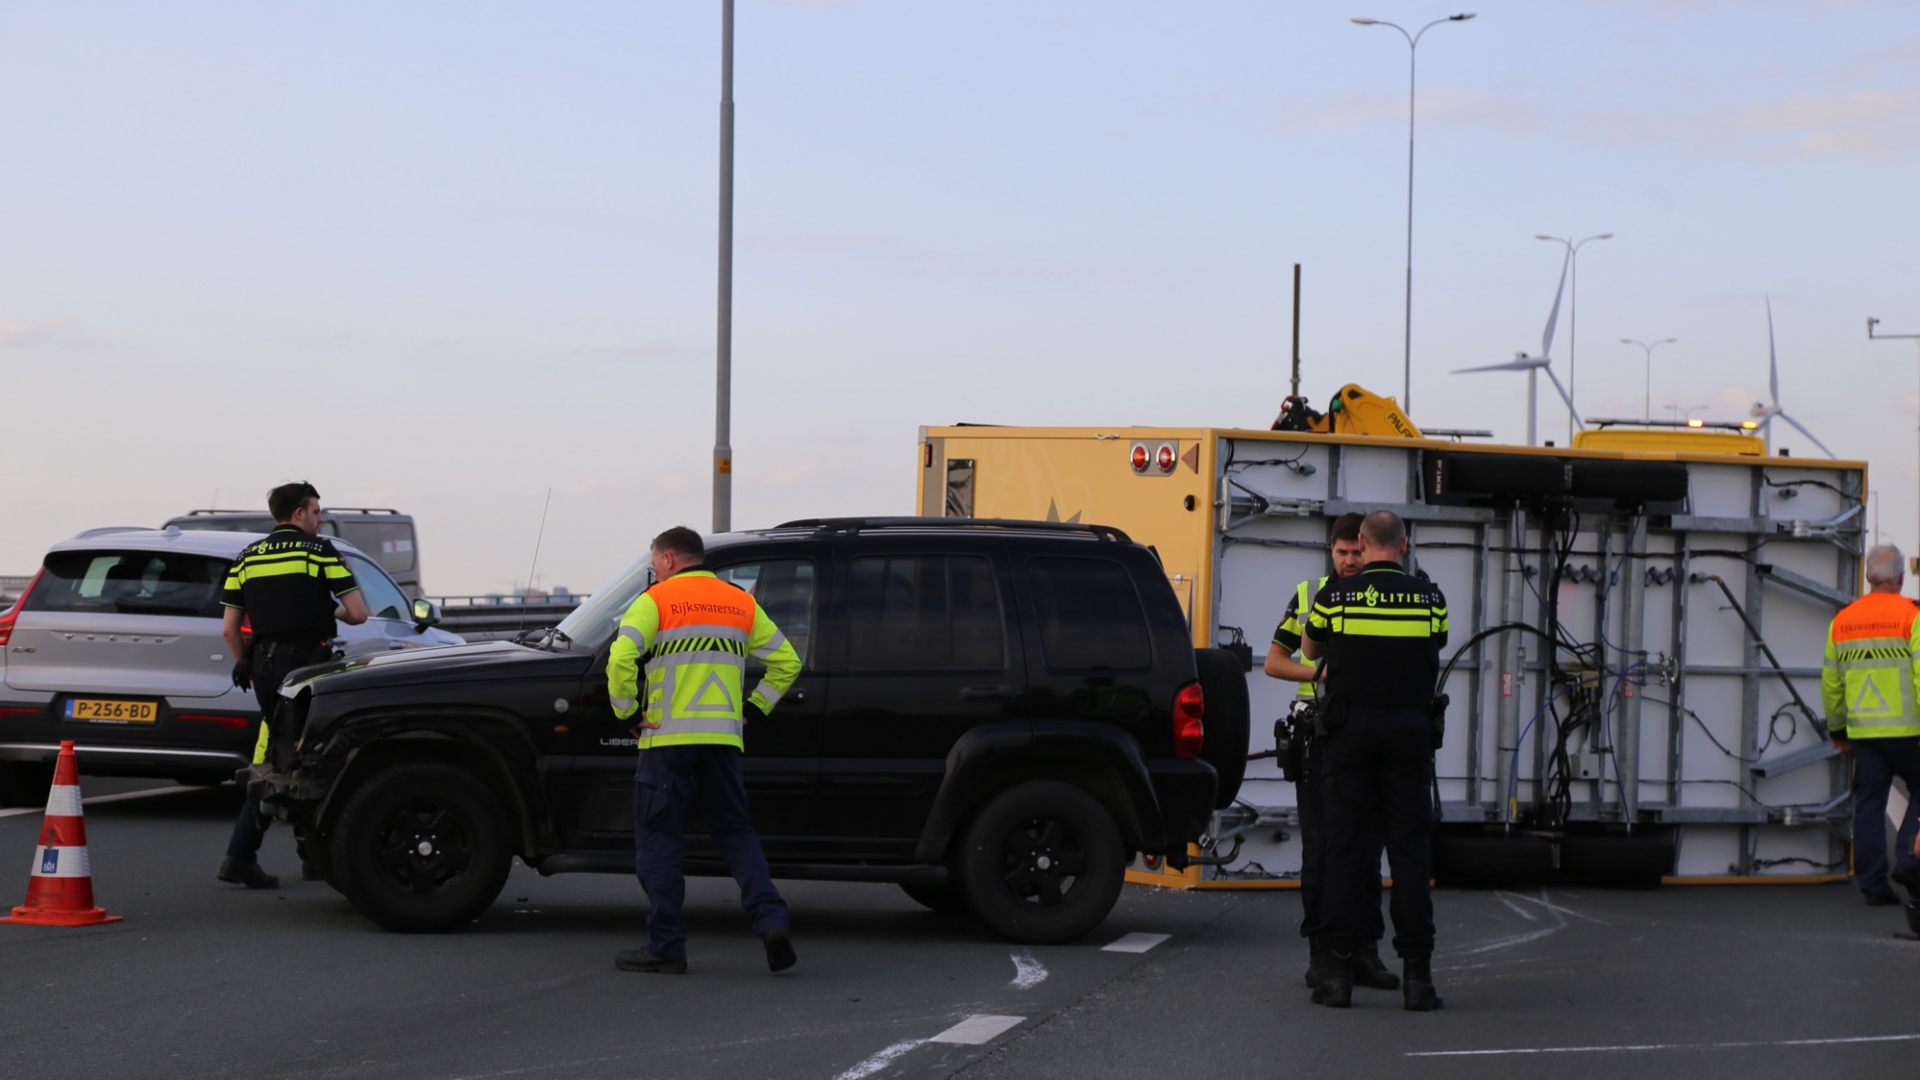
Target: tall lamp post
(1573,315)
(1413,47)
(723,345)
(1872,335)
(1649,351)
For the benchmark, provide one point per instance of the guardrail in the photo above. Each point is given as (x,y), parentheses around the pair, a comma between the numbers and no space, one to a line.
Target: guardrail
(492,618)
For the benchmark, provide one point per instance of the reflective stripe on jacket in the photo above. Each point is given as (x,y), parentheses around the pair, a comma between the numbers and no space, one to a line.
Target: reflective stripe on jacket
(1866,681)
(1302,607)
(693,633)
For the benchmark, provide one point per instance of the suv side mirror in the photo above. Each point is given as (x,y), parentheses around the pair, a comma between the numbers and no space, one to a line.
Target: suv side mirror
(425,613)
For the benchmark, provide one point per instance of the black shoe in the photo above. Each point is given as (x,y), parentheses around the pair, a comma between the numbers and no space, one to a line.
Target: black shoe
(780,955)
(247,872)
(1336,985)
(642,960)
(1418,995)
(1880,899)
(1908,880)
(1913,917)
(1369,972)
(1317,954)
(310,871)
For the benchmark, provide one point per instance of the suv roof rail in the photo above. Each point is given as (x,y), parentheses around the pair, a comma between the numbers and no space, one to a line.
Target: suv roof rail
(197,513)
(358,510)
(835,526)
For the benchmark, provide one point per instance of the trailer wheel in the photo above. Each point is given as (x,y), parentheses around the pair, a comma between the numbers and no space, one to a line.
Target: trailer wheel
(1227,720)
(421,847)
(1043,863)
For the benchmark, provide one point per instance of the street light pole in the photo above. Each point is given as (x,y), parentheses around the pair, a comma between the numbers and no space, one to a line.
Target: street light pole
(1649,350)
(1413,48)
(1874,336)
(723,345)
(1573,316)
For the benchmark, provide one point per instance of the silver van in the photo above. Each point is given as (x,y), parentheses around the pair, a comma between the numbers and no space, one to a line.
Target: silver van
(387,536)
(116,645)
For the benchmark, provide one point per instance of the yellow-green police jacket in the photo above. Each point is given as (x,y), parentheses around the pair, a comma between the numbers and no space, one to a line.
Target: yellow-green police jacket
(1866,682)
(1293,624)
(693,633)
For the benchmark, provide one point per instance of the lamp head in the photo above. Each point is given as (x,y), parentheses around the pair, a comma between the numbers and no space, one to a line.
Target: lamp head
(1544,236)
(1462,17)
(1604,236)
(1361,20)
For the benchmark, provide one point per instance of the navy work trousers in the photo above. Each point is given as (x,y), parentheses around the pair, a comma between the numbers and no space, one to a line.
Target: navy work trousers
(1313,859)
(667,779)
(1375,776)
(270,667)
(1875,763)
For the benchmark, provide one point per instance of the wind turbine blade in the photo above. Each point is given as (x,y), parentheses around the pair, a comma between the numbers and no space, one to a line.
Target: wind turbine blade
(1546,339)
(1511,365)
(1565,397)
(1801,428)
(1773,363)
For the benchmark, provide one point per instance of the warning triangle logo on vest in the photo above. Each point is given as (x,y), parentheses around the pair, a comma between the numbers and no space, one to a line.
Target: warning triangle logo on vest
(1861,706)
(712,697)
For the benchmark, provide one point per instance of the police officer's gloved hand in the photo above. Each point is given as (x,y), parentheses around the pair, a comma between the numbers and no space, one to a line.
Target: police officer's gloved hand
(242,677)
(753,712)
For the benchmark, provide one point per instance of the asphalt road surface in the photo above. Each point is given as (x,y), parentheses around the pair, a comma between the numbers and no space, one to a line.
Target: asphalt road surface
(211,981)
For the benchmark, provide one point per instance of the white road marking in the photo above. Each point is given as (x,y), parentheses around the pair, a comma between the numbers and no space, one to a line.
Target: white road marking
(1543,902)
(1027,972)
(1516,908)
(1136,943)
(1666,1046)
(122,797)
(879,1061)
(977,1030)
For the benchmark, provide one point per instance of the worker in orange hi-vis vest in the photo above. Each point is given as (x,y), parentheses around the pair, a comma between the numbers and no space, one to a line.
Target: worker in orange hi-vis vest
(1867,689)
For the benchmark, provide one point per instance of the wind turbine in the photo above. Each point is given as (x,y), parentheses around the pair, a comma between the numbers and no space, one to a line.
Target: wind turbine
(1534,365)
(1766,413)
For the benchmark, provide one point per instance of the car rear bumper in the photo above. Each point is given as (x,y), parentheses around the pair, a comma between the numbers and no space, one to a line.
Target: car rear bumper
(1184,790)
(186,741)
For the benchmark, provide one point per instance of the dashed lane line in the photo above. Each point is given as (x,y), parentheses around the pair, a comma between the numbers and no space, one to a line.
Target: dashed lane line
(1136,943)
(121,797)
(978,1030)
(879,1061)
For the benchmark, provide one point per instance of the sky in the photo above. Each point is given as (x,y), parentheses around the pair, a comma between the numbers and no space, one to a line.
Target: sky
(452,258)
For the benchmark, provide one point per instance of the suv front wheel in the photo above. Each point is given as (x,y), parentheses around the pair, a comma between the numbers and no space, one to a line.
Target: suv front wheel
(420,848)
(1043,863)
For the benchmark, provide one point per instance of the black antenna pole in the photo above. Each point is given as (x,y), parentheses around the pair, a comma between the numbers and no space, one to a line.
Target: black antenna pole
(1296,329)
(539,536)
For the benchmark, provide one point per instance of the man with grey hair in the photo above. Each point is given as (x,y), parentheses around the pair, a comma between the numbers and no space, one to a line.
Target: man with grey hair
(1867,690)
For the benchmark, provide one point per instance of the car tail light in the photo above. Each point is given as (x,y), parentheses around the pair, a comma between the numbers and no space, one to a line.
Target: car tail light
(8,616)
(246,627)
(230,722)
(1189,733)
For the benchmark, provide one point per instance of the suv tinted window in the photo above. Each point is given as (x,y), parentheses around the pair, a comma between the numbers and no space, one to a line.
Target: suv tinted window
(784,590)
(384,598)
(130,582)
(925,611)
(1090,615)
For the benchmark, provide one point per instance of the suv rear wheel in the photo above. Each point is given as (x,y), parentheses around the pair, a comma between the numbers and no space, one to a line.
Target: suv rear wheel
(1043,863)
(421,847)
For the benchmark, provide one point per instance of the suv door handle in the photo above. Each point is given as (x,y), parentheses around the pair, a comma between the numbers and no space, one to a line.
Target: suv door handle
(974,693)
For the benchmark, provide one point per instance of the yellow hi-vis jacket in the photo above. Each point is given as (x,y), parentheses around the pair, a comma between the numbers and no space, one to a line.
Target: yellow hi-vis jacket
(693,634)
(1866,681)
(1293,625)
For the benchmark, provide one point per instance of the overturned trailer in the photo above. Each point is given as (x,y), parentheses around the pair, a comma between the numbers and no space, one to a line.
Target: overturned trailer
(1636,635)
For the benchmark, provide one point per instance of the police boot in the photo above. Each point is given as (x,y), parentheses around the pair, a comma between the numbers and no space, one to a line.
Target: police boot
(1319,955)
(1417,992)
(1336,984)
(1369,972)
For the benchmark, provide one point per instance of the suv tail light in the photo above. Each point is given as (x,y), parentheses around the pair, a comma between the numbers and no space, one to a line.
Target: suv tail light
(8,616)
(1189,733)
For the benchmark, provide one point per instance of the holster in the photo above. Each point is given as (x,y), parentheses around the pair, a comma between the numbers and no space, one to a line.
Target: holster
(1437,715)
(1291,735)
(1330,713)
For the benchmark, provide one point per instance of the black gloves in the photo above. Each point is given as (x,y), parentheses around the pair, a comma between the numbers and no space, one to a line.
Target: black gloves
(242,675)
(753,712)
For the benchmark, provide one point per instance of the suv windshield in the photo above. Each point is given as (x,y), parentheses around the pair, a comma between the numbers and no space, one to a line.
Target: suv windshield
(130,582)
(592,623)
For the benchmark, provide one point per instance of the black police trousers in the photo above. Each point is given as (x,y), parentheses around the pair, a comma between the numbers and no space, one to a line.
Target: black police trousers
(271,665)
(1374,778)
(1313,859)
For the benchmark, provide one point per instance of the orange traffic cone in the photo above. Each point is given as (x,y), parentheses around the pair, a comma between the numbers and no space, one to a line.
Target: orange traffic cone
(60,893)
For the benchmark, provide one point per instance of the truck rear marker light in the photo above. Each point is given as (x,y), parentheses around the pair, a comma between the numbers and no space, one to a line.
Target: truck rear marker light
(1165,458)
(1189,730)
(1141,457)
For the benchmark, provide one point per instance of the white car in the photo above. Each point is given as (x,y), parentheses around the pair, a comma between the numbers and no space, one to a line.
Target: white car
(116,645)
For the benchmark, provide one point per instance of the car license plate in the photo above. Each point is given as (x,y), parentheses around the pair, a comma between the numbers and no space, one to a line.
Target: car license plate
(113,712)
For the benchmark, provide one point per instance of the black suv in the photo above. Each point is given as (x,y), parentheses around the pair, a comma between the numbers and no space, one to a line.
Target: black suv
(992,714)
